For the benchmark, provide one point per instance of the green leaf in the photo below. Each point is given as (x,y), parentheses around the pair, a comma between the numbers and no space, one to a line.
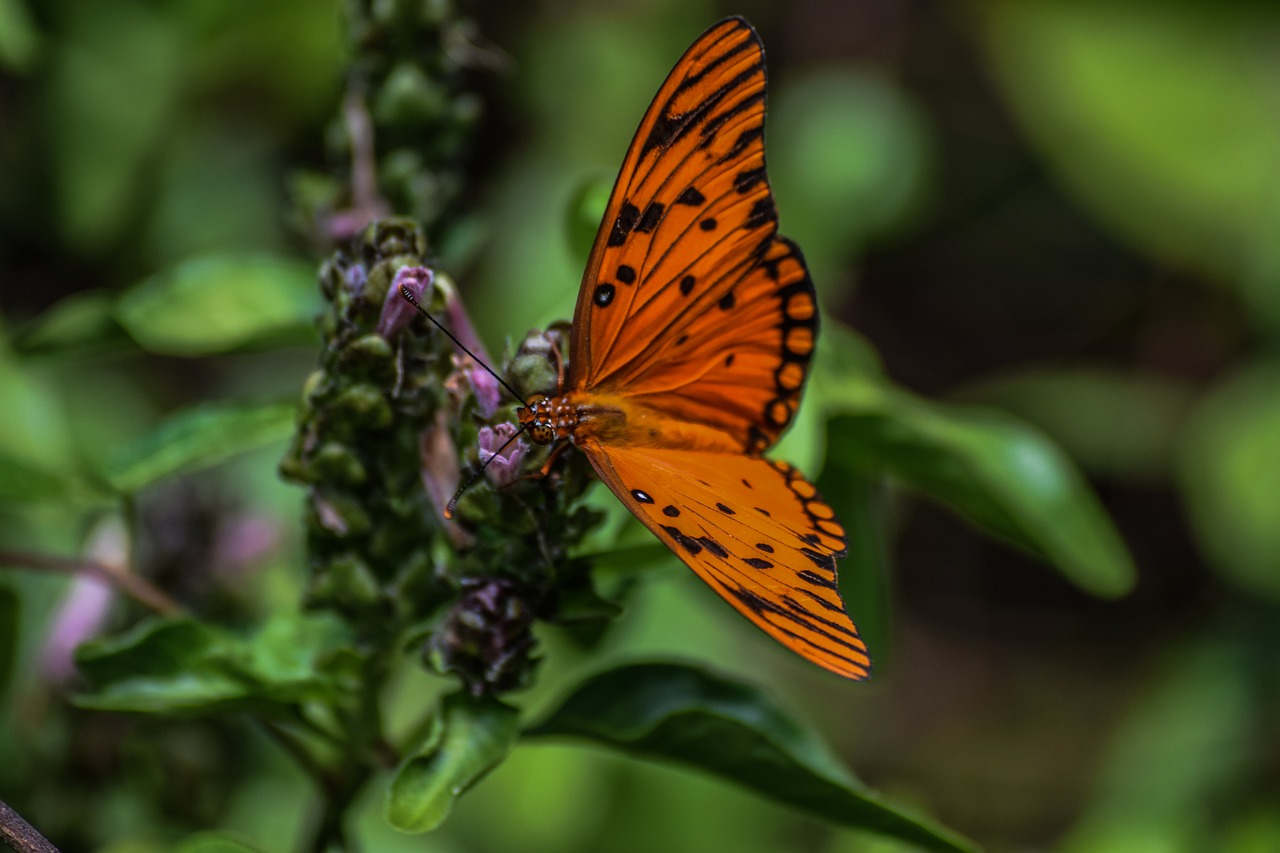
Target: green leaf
(1227,470)
(161,666)
(470,737)
(215,842)
(706,722)
(216,304)
(864,573)
(199,438)
(23,482)
(1001,474)
(997,471)
(10,617)
(1113,421)
(181,666)
(81,324)
(301,657)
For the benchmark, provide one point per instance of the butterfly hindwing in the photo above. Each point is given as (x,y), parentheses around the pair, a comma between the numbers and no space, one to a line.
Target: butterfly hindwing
(690,301)
(755,531)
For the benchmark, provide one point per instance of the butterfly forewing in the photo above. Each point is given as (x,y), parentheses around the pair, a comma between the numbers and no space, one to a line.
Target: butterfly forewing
(739,365)
(688,246)
(756,532)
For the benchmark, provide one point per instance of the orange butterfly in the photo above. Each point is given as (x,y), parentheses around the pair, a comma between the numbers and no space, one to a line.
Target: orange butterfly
(690,345)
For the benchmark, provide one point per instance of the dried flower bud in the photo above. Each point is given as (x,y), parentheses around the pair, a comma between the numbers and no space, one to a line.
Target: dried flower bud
(487,638)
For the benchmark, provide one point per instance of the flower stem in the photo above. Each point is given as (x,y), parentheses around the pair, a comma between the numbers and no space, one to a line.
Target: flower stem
(135,586)
(20,835)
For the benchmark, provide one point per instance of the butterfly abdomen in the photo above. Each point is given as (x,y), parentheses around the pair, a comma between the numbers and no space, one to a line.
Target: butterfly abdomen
(589,418)
(622,421)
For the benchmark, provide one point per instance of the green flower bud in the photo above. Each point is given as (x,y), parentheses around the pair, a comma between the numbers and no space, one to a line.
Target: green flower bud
(343,582)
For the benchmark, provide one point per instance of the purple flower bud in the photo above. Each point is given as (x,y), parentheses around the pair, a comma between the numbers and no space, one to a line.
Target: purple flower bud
(396,310)
(440,473)
(487,390)
(243,540)
(356,278)
(456,319)
(504,468)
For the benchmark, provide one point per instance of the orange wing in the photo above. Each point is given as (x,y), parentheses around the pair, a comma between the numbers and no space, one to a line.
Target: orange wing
(756,531)
(691,303)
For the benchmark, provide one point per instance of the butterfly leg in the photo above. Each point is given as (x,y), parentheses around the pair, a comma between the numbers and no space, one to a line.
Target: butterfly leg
(545,468)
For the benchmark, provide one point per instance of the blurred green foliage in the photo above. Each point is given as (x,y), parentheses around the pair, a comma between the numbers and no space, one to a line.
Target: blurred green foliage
(156,308)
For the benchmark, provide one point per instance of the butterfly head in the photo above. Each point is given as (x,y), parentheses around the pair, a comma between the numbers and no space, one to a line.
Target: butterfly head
(536,418)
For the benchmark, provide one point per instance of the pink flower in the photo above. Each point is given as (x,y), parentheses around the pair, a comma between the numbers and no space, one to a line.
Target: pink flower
(80,617)
(83,611)
(501,460)
(396,310)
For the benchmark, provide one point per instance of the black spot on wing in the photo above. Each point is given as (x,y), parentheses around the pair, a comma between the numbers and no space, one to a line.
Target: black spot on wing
(821,601)
(686,285)
(819,559)
(726,510)
(816,579)
(708,224)
(603,295)
(670,125)
(670,511)
(691,197)
(651,217)
(713,547)
(748,179)
(744,140)
(694,79)
(628,215)
(804,618)
(757,563)
(750,102)
(809,614)
(762,213)
(626,274)
(688,543)
(642,497)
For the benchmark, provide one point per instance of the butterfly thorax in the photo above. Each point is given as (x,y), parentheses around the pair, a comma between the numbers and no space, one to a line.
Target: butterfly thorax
(587,417)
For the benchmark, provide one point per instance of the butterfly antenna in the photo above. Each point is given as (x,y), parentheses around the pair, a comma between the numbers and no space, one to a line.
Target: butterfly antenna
(407,294)
(453,501)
